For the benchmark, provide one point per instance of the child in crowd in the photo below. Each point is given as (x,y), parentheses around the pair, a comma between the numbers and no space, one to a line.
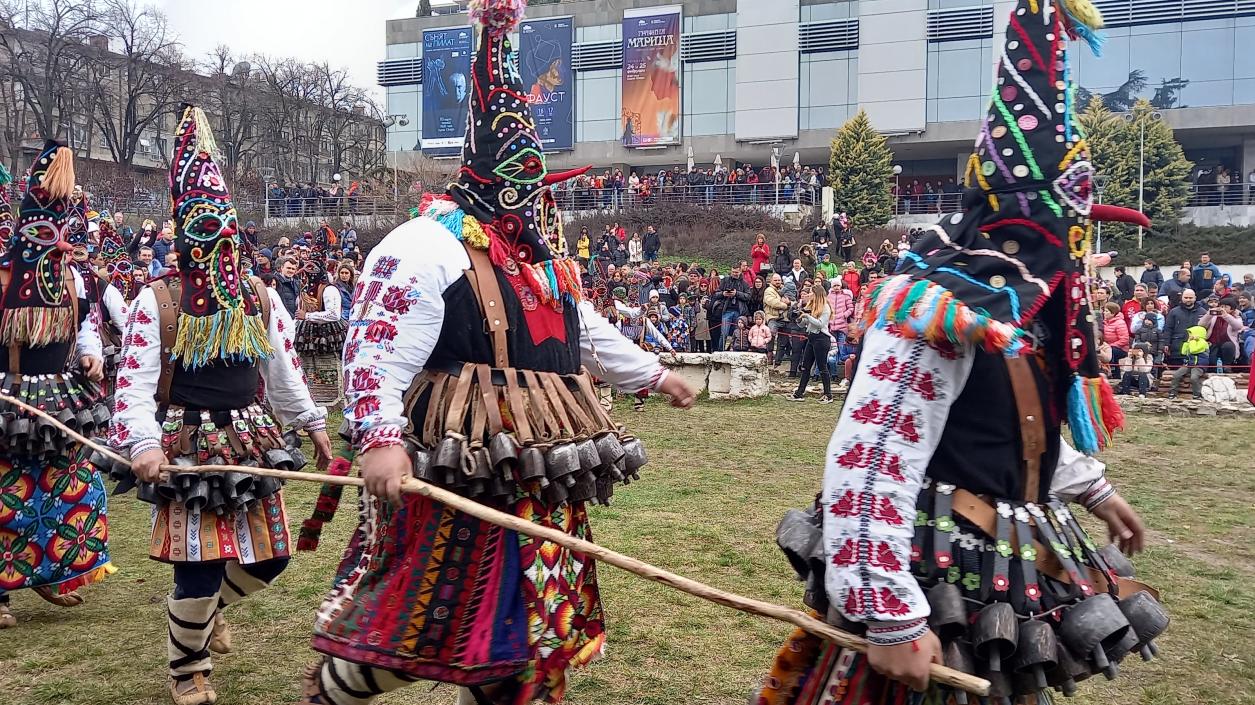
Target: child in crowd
(677,329)
(1194,351)
(760,334)
(1135,370)
(701,327)
(739,340)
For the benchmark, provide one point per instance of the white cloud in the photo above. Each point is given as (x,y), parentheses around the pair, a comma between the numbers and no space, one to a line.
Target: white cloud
(346,33)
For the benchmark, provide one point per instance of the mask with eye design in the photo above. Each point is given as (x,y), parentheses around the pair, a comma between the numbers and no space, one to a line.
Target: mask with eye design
(219,314)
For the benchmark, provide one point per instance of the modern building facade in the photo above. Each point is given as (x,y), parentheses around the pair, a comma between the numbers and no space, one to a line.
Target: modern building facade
(782,75)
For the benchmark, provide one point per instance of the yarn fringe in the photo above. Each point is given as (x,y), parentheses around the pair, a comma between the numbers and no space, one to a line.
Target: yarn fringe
(1093,413)
(327,504)
(924,309)
(1082,20)
(37,326)
(5,176)
(205,140)
(58,179)
(227,334)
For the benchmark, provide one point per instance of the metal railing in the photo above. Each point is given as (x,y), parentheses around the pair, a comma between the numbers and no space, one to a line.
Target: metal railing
(927,203)
(578,198)
(1238,194)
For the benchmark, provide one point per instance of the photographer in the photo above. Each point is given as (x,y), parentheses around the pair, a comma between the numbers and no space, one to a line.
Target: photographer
(728,304)
(1223,328)
(814,314)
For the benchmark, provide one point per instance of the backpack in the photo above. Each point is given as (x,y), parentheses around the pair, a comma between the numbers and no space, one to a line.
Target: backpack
(1219,389)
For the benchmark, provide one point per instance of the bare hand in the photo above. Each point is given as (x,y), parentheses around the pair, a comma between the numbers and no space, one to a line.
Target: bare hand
(682,395)
(300,314)
(147,466)
(1123,524)
(322,449)
(907,663)
(383,469)
(93,368)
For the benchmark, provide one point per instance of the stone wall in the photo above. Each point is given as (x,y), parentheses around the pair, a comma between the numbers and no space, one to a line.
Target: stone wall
(723,375)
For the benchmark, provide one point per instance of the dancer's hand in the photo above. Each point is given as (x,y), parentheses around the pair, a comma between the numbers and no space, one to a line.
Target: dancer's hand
(93,368)
(682,395)
(384,469)
(907,663)
(1123,524)
(147,465)
(322,449)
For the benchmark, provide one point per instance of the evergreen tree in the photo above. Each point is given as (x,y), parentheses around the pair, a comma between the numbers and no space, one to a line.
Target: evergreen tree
(860,171)
(1115,142)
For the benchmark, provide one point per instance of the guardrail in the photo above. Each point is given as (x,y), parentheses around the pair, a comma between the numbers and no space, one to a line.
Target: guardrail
(576,198)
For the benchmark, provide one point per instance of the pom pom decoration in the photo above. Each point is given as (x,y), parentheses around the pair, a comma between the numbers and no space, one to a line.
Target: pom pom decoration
(499,17)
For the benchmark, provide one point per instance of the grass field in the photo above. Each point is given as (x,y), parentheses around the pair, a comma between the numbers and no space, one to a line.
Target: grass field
(720,477)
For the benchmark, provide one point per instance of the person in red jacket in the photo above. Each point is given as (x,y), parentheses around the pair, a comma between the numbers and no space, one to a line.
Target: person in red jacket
(760,253)
(850,278)
(1134,304)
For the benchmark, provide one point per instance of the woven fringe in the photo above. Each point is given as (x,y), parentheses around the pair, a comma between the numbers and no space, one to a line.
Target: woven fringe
(227,334)
(36,326)
(327,504)
(58,178)
(89,578)
(924,309)
(1093,413)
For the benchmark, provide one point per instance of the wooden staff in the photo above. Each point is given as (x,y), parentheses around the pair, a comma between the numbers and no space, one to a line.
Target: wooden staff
(939,673)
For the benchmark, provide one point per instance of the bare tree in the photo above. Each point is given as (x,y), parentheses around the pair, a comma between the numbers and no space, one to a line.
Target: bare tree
(233,100)
(42,58)
(140,83)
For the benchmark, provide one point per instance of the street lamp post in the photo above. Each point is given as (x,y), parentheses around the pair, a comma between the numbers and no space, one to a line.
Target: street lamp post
(388,122)
(1100,185)
(1153,116)
(897,188)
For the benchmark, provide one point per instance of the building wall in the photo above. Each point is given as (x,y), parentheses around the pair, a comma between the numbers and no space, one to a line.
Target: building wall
(926,93)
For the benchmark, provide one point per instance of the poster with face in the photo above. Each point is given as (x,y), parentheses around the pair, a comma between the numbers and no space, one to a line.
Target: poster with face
(545,66)
(446,84)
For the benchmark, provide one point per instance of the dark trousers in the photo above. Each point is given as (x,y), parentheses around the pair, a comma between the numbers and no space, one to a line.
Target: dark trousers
(194,580)
(815,347)
(1140,380)
(1225,353)
(794,342)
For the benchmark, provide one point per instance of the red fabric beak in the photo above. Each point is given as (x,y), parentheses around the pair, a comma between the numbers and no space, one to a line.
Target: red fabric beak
(1117,214)
(558,177)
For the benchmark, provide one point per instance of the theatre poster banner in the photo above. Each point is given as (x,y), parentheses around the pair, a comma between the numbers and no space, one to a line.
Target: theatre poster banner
(651,76)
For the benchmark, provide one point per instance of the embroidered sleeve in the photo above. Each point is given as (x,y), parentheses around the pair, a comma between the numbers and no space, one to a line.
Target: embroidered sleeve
(134,423)
(394,323)
(330,307)
(116,306)
(87,341)
(889,427)
(286,389)
(619,361)
(1080,478)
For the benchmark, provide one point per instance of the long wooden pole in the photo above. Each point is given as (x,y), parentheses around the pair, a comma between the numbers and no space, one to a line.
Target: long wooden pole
(939,673)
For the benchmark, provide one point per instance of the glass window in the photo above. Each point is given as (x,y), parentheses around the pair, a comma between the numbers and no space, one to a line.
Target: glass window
(827,88)
(1203,93)
(597,95)
(959,76)
(404,51)
(829,11)
(599,33)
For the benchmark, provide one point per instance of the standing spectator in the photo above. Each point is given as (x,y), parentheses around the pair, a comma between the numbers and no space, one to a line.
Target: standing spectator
(815,317)
(636,250)
(124,231)
(146,237)
(758,289)
(701,324)
(1180,319)
(731,303)
(842,304)
(1151,273)
(348,236)
(149,264)
(1133,306)
(783,259)
(249,237)
(797,274)
(346,279)
(760,253)
(652,244)
(846,242)
(826,269)
(850,279)
(806,254)
(1223,330)
(1148,333)
(1171,289)
(1124,285)
(760,335)
(1205,274)
(774,306)
(287,286)
(263,263)
(869,259)
(583,248)
(163,246)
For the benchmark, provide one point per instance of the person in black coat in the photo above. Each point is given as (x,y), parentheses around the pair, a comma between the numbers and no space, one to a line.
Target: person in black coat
(1124,285)
(783,261)
(729,303)
(652,244)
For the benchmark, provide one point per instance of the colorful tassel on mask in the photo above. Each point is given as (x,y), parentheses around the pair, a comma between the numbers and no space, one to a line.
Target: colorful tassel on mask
(1093,413)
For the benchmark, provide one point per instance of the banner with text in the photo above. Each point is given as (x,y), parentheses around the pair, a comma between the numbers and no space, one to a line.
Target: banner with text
(545,65)
(651,76)
(446,89)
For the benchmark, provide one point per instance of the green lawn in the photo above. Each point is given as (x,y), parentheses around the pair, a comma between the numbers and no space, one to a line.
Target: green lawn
(720,478)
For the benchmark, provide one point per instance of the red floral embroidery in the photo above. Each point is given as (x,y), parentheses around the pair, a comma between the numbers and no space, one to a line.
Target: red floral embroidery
(894,468)
(280,324)
(142,317)
(380,331)
(906,428)
(883,510)
(351,349)
(364,380)
(873,412)
(889,370)
(121,433)
(849,505)
(854,458)
(888,603)
(287,344)
(395,301)
(129,363)
(847,554)
(365,406)
(137,340)
(385,267)
(120,405)
(924,385)
(884,558)
(123,382)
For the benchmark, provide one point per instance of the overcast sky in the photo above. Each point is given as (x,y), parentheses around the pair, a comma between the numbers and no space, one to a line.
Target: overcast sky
(347,33)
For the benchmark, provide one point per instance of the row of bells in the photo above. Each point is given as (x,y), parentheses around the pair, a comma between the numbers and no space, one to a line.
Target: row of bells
(573,471)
